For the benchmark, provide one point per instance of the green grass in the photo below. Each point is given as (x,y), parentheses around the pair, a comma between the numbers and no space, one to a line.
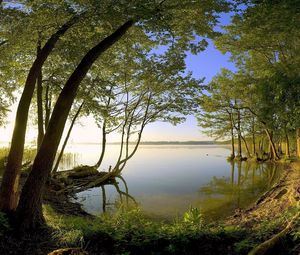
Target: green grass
(132,233)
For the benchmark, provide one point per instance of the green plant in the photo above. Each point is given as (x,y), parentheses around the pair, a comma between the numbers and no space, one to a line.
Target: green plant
(243,246)
(193,216)
(4,224)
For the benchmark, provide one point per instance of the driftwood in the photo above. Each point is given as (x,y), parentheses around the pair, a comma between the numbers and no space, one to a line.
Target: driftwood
(77,172)
(79,179)
(66,184)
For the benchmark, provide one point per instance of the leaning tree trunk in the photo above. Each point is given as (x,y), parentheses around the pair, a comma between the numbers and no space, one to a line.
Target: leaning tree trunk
(246,146)
(274,154)
(11,176)
(39,100)
(29,214)
(47,106)
(61,153)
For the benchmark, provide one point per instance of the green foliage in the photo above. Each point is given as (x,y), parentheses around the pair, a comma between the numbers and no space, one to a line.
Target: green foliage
(132,231)
(263,40)
(4,224)
(193,216)
(244,246)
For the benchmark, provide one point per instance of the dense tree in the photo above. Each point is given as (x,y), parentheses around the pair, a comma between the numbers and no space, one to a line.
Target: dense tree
(263,42)
(10,182)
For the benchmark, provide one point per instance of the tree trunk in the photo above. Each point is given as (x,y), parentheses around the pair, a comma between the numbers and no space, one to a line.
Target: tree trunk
(298,141)
(10,181)
(246,146)
(273,151)
(287,144)
(239,134)
(98,164)
(47,106)
(39,100)
(232,136)
(121,164)
(261,147)
(28,211)
(253,137)
(66,139)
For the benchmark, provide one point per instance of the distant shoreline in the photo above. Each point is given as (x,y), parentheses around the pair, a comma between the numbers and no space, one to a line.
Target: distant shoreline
(148,143)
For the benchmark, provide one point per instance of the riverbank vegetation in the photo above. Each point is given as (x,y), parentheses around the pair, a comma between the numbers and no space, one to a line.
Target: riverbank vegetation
(123,63)
(257,106)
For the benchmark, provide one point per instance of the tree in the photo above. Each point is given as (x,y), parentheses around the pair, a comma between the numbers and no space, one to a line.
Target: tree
(10,182)
(263,40)
(153,19)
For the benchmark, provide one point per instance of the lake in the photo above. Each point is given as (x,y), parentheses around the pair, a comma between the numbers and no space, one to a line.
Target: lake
(166,180)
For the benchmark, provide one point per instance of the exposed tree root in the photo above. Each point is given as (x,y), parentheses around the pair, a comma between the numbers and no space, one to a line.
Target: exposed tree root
(269,244)
(64,186)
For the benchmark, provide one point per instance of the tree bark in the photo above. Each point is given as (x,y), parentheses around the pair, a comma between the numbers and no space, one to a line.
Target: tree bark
(29,214)
(61,153)
(39,100)
(10,181)
(287,144)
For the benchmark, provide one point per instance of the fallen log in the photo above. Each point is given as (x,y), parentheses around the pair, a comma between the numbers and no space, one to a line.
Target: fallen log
(77,172)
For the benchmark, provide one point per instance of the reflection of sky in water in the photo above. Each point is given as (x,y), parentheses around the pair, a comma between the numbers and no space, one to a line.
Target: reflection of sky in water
(166,179)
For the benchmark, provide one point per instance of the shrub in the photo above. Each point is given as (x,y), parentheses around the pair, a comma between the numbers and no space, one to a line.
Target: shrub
(4,225)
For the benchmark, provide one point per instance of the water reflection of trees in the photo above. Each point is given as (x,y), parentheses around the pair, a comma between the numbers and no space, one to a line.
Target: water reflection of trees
(247,181)
(122,194)
(69,160)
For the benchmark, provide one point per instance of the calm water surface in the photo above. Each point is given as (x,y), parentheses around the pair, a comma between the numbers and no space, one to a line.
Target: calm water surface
(167,179)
